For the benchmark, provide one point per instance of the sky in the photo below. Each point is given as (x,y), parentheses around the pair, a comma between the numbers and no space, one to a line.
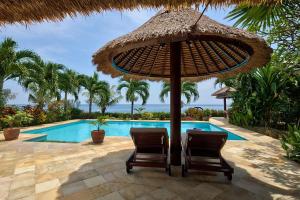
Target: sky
(73,41)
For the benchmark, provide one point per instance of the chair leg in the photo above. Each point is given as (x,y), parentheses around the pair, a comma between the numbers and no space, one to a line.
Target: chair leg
(127,169)
(183,170)
(170,172)
(130,159)
(229,176)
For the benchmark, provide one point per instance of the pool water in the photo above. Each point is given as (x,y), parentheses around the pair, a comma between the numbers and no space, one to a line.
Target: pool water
(81,131)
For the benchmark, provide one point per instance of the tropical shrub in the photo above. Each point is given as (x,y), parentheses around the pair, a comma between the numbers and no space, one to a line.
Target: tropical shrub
(75,113)
(195,113)
(147,115)
(198,114)
(161,115)
(243,119)
(39,115)
(19,119)
(56,112)
(269,96)
(291,143)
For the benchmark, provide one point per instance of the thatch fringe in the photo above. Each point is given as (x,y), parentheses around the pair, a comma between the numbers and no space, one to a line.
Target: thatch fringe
(29,11)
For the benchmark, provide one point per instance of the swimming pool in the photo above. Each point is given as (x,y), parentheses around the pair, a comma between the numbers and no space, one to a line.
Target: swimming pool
(81,130)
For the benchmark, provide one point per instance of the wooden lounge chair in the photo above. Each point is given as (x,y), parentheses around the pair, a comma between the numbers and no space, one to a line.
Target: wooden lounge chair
(151,148)
(202,151)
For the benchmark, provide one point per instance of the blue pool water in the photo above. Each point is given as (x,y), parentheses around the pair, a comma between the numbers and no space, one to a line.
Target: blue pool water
(80,131)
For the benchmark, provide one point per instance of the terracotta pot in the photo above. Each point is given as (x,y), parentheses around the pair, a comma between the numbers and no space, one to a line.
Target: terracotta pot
(206,118)
(98,136)
(11,133)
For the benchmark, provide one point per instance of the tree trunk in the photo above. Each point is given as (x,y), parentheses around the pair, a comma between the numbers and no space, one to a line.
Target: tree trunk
(103,109)
(90,106)
(66,102)
(1,93)
(132,102)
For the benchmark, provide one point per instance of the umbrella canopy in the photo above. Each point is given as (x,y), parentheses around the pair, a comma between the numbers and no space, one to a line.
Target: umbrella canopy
(208,49)
(180,45)
(28,11)
(224,92)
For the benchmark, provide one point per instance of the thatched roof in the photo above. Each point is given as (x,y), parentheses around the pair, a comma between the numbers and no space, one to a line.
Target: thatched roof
(28,11)
(209,49)
(225,92)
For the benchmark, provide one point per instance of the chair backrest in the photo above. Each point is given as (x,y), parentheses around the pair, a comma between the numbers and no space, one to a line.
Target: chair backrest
(150,140)
(205,143)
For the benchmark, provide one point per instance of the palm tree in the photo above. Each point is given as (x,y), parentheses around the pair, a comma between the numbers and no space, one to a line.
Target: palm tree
(258,17)
(68,83)
(188,90)
(13,63)
(106,99)
(135,89)
(93,86)
(43,82)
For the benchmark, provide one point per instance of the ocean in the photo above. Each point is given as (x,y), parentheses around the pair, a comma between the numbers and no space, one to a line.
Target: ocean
(125,108)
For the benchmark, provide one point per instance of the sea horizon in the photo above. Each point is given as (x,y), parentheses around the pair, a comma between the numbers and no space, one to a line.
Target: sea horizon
(125,108)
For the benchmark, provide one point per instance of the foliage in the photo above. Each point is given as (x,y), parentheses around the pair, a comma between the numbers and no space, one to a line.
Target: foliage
(198,114)
(93,86)
(68,83)
(147,115)
(139,110)
(13,64)
(188,90)
(263,95)
(39,115)
(134,90)
(56,112)
(42,83)
(161,115)
(75,113)
(8,95)
(19,119)
(107,98)
(291,143)
(100,121)
(269,96)
(244,119)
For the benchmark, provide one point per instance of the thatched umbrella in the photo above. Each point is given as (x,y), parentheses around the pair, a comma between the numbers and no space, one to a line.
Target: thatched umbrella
(224,93)
(176,46)
(28,11)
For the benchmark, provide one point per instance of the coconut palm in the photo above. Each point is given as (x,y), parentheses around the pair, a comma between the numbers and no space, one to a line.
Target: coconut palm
(42,83)
(188,90)
(258,17)
(135,89)
(13,63)
(93,86)
(108,98)
(68,84)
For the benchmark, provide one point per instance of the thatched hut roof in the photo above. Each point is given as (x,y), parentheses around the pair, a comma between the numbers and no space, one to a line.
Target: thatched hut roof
(209,49)
(28,11)
(225,92)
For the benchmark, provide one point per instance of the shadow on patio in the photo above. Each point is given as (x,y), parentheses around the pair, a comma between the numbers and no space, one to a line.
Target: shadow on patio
(106,177)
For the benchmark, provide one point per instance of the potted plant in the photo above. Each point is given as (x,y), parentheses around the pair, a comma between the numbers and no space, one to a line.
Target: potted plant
(98,135)
(14,122)
(206,114)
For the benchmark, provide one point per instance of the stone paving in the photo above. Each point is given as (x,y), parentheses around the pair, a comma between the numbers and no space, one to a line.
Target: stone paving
(41,170)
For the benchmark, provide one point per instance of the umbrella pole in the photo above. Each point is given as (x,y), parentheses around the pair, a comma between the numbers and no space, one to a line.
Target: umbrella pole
(175,83)
(225,110)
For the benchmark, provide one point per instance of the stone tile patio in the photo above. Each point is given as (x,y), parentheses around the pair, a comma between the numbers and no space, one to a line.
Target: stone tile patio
(33,170)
